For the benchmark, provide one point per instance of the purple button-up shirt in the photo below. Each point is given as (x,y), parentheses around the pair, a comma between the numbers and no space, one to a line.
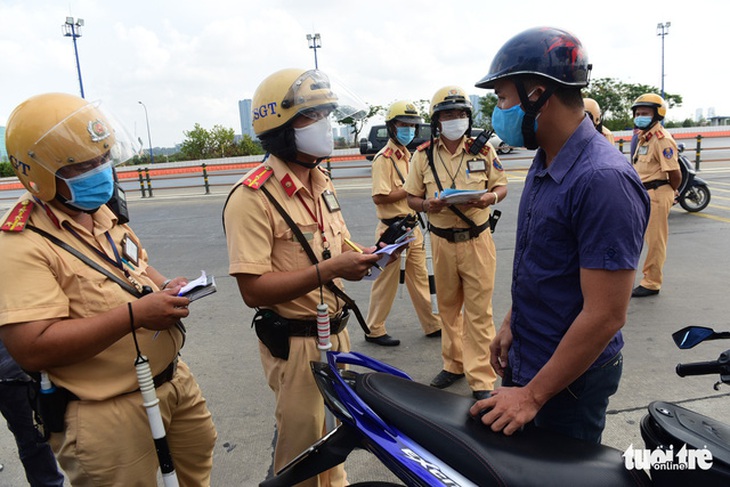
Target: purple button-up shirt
(587,210)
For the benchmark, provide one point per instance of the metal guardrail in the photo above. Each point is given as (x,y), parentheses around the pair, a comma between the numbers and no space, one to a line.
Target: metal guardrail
(216,173)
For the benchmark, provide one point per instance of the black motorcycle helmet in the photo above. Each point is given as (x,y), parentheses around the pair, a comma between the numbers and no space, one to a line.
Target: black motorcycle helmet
(545,52)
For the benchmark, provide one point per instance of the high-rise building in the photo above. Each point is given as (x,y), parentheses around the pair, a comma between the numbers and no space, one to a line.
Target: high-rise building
(244,110)
(3,150)
(476,109)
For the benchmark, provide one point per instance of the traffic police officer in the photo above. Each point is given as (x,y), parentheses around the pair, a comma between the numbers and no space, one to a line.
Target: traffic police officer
(291,110)
(390,167)
(82,325)
(593,110)
(463,250)
(656,160)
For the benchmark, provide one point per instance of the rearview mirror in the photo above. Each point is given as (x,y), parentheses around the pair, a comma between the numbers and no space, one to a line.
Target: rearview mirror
(690,336)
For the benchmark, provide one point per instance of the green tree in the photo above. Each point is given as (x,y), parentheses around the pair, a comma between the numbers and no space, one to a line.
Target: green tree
(485,109)
(356,125)
(616,97)
(197,143)
(248,147)
(222,141)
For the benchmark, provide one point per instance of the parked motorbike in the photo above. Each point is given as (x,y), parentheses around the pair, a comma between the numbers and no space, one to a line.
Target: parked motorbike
(694,195)
(426,437)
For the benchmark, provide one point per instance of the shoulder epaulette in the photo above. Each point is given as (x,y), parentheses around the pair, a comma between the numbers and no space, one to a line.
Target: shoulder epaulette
(388,152)
(18,217)
(424,145)
(256,178)
(660,134)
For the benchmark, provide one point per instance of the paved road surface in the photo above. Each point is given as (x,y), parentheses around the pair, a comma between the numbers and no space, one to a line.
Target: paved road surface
(183,235)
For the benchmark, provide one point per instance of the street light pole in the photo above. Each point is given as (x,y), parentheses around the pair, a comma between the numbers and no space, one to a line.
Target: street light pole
(315,42)
(72,29)
(663,30)
(149,137)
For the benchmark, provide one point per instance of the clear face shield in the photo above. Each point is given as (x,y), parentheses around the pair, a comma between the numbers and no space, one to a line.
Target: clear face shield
(77,156)
(317,96)
(85,140)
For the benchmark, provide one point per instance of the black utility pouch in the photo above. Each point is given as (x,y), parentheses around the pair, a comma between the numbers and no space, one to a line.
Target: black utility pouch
(397,229)
(53,409)
(273,331)
(49,406)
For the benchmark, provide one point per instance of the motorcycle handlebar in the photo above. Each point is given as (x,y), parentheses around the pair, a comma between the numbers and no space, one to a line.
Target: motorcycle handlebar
(698,368)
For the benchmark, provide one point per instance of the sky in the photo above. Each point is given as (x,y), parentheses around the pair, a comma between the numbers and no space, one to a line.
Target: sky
(191,61)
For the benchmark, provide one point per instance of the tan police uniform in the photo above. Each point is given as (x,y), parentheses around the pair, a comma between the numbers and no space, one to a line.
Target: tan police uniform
(107,438)
(260,241)
(464,269)
(656,154)
(385,179)
(609,135)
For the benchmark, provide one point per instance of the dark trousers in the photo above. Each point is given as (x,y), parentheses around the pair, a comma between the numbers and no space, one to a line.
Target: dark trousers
(579,410)
(40,465)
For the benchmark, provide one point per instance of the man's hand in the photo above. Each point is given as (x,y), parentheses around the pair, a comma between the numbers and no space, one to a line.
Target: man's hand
(508,409)
(499,348)
(435,205)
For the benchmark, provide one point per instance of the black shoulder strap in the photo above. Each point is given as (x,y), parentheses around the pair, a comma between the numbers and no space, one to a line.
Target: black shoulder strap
(459,213)
(310,253)
(85,259)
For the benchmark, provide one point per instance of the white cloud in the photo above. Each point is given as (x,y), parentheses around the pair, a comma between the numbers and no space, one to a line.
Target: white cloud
(190,62)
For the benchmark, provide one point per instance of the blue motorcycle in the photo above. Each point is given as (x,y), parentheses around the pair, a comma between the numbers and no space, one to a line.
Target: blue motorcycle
(427,438)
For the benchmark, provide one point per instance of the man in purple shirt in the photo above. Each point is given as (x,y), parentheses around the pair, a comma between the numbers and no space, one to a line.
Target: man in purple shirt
(580,228)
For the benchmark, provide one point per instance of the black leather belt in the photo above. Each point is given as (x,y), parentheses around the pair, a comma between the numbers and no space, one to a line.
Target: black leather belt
(166,375)
(655,184)
(162,378)
(458,234)
(307,328)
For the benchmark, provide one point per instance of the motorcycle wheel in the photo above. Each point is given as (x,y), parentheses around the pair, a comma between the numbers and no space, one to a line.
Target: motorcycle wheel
(695,199)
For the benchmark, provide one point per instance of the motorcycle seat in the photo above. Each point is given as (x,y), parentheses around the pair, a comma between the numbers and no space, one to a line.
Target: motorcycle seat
(440,422)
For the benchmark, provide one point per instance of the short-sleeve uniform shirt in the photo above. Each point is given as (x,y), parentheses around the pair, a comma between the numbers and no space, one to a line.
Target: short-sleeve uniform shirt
(41,281)
(586,210)
(260,240)
(656,154)
(389,165)
(460,170)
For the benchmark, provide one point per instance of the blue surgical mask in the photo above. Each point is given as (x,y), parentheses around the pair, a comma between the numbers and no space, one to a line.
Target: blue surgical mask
(405,134)
(508,125)
(93,188)
(643,122)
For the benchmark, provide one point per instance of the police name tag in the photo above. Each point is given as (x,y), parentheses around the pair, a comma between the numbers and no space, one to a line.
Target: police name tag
(130,250)
(330,199)
(643,150)
(476,165)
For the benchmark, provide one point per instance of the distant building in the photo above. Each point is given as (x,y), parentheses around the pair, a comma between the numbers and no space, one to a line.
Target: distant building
(719,120)
(476,109)
(3,150)
(244,111)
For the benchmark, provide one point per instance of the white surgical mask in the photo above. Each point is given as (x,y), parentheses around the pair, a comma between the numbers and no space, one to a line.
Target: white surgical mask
(315,139)
(454,129)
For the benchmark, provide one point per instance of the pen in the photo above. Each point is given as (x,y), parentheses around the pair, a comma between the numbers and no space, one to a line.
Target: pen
(359,250)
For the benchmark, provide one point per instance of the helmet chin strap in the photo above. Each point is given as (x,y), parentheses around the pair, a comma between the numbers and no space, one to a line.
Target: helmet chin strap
(308,165)
(531,109)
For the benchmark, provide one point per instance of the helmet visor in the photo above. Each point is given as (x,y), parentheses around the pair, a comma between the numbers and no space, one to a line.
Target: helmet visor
(315,96)
(88,134)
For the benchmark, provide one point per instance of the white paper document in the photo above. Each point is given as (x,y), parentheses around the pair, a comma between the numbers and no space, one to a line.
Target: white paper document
(385,254)
(459,196)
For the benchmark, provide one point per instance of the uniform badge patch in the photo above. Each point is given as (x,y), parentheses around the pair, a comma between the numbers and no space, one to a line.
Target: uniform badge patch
(668,152)
(18,217)
(497,165)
